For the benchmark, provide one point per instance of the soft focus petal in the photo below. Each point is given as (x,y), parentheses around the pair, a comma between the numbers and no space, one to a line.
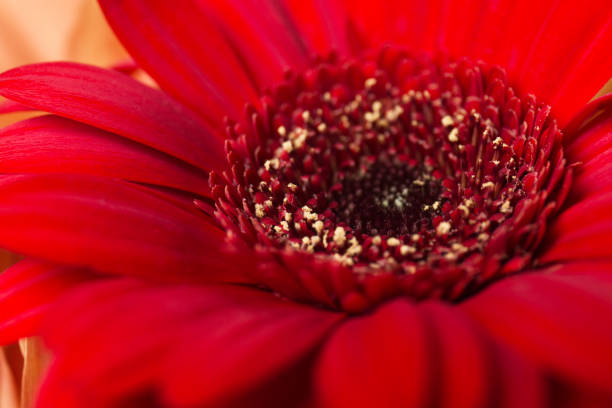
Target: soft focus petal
(581,232)
(36,146)
(110,226)
(555,318)
(419,356)
(589,143)
(26,291)
(553,49)
(199,345)
(270,44)
(117,103)
(324,25)
(192,60)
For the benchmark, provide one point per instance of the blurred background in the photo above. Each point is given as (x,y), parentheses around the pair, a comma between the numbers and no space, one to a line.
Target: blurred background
(45,30)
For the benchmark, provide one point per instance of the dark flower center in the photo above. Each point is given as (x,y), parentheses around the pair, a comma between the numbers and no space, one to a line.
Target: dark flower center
(389,197)
(436,178)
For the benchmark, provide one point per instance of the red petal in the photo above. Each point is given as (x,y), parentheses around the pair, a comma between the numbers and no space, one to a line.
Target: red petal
(26,291)
(196,346)
(265,35)
(581,232)
(419,356)
(589,142)
(556,318)
(556,50)
(191,60)
(382,360)
(475,372)
(12,106)
(110,226)
(38,145)
(323,24)
(117,103)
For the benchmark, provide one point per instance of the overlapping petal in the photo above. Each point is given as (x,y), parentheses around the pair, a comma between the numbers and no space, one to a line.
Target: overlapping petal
(51,144)
(404,355)
(192,60)
(589,144)
(216,340)
(553,49)
(110,226)
(117,103)
(581,232)
(26,291)
(555,318)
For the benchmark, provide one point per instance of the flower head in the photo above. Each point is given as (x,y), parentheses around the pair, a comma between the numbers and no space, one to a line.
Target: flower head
(327,204)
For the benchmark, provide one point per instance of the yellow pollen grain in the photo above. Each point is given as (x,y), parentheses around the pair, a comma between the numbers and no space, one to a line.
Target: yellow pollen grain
(393,242)
(450,256)
(272,163)
(483,236)
(447,121)
(453,136)
(407,249)
(443,228)
(287,146)
(318,226)
(506,208)
(339,236)
(281,130)
(321,127)
(369,83)
(259,211)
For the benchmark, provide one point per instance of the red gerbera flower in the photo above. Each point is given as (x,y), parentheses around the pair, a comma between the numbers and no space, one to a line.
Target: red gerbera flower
(397,210)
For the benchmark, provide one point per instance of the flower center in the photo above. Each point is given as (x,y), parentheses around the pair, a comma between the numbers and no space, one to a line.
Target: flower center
(394,173)
(387,197)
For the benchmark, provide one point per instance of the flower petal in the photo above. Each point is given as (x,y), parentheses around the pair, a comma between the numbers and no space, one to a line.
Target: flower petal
(324,25)
(555,319)
(427,355)
(36,146)
(26,291)
(555,50)
(378,355)
(589,143)
(117,103)
(110,226)
(269,43)
(198,345)
(192,60)
(581,232)
(473,370)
